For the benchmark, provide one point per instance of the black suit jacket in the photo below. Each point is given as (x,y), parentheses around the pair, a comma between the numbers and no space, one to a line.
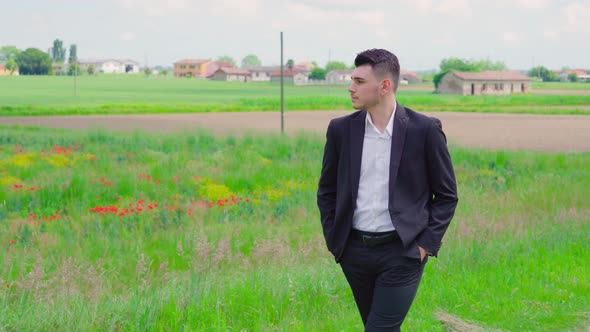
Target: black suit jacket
(422,187)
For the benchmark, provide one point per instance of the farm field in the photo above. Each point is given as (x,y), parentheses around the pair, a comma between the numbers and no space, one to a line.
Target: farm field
(208,221)
(136,94)
(106,230)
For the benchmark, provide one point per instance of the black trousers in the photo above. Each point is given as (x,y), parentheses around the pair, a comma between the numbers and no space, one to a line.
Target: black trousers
(383,282)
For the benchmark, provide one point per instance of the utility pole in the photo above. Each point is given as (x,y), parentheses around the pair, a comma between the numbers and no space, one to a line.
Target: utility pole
(75,79)
(282,90)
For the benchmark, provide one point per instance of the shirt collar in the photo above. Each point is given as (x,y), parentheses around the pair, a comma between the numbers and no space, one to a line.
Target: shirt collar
(389,128)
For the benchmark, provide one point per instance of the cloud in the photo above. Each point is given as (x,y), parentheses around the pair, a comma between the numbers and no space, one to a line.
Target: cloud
(551,35)
(127,36)
(572,20)
(576,18)
(422,6)
(155,7)
(240,8)
(455,8)
(511,37)
(533,4)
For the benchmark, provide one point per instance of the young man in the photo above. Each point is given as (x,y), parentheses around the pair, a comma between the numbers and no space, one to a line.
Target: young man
(387,193)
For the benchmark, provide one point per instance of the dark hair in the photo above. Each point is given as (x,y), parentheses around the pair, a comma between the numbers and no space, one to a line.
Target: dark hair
(382,61)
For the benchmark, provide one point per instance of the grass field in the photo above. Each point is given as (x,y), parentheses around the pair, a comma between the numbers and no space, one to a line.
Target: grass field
(118,94)
(561,86)
(111,231)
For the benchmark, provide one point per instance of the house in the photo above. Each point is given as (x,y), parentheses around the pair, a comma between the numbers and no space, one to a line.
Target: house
(339,76)
(231,74)
(212,66)
(191,67)
(410,77)
(484,83)
(59,69)
(110,66)
(289,77)
(343,76)
(262,74)
(582,75)
(304,66)
(6,72)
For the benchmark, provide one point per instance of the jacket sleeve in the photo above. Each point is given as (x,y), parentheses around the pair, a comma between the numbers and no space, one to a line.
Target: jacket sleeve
(443,187)
(326,195)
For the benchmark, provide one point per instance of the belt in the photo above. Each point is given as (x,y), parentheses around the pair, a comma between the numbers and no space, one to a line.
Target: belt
(374,239)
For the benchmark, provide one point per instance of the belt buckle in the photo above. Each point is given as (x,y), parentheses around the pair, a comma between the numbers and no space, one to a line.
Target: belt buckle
(368,240)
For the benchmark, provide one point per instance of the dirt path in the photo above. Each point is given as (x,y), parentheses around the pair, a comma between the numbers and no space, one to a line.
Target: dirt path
(550,133)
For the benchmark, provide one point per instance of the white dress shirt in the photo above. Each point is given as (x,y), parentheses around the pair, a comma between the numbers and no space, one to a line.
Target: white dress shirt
(372,202)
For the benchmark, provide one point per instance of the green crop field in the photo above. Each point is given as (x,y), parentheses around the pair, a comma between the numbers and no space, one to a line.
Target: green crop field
(126,94)
(105,231)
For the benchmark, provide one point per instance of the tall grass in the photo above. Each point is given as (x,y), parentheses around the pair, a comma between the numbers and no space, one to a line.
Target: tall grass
(222,234)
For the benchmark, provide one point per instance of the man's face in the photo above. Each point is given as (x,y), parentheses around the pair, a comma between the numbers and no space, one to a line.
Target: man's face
(364,88)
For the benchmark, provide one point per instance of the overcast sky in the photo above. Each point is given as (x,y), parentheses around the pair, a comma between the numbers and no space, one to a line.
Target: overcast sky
(521,33)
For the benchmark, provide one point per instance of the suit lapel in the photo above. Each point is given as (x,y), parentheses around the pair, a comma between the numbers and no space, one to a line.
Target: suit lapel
(400,125)
(357,134)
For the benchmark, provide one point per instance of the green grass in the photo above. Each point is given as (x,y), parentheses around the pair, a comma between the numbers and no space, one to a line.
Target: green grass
(514,258)
(561,86)
(129,94)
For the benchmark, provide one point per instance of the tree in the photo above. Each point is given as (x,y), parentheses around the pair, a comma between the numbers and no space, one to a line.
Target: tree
(437,77)
(335,65)
(33,61)
(290,64)
(90,70)
(572,77)
(228,59)
(543,73)
(58,51)
(147,71)
(7,52)
(317,74)
(11,65)
(457,64)
(74,69)
(250,60)
(481,65)
(73,54)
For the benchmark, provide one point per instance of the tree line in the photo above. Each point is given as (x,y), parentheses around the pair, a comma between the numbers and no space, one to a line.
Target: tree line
(33,61)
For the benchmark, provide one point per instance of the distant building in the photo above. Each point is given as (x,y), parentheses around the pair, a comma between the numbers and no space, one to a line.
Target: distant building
(582,74)
(212,66)
(60,69)
(406,77)
(484,83)
(191,67)
(110,66)
(231,74)
(339,76)
(262,74)
(304,66)
(6,72)
(289,77)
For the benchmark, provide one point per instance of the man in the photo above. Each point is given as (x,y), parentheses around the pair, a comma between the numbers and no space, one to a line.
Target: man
(387,193)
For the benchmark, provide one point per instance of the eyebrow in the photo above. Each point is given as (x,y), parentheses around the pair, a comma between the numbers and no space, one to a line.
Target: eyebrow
(357,78)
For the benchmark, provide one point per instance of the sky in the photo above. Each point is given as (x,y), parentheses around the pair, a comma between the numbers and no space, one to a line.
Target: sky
(520,33)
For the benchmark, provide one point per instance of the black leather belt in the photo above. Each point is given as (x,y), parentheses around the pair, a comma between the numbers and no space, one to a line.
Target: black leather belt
(374,239)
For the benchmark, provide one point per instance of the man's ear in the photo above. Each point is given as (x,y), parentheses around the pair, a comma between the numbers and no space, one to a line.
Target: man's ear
(385,86)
